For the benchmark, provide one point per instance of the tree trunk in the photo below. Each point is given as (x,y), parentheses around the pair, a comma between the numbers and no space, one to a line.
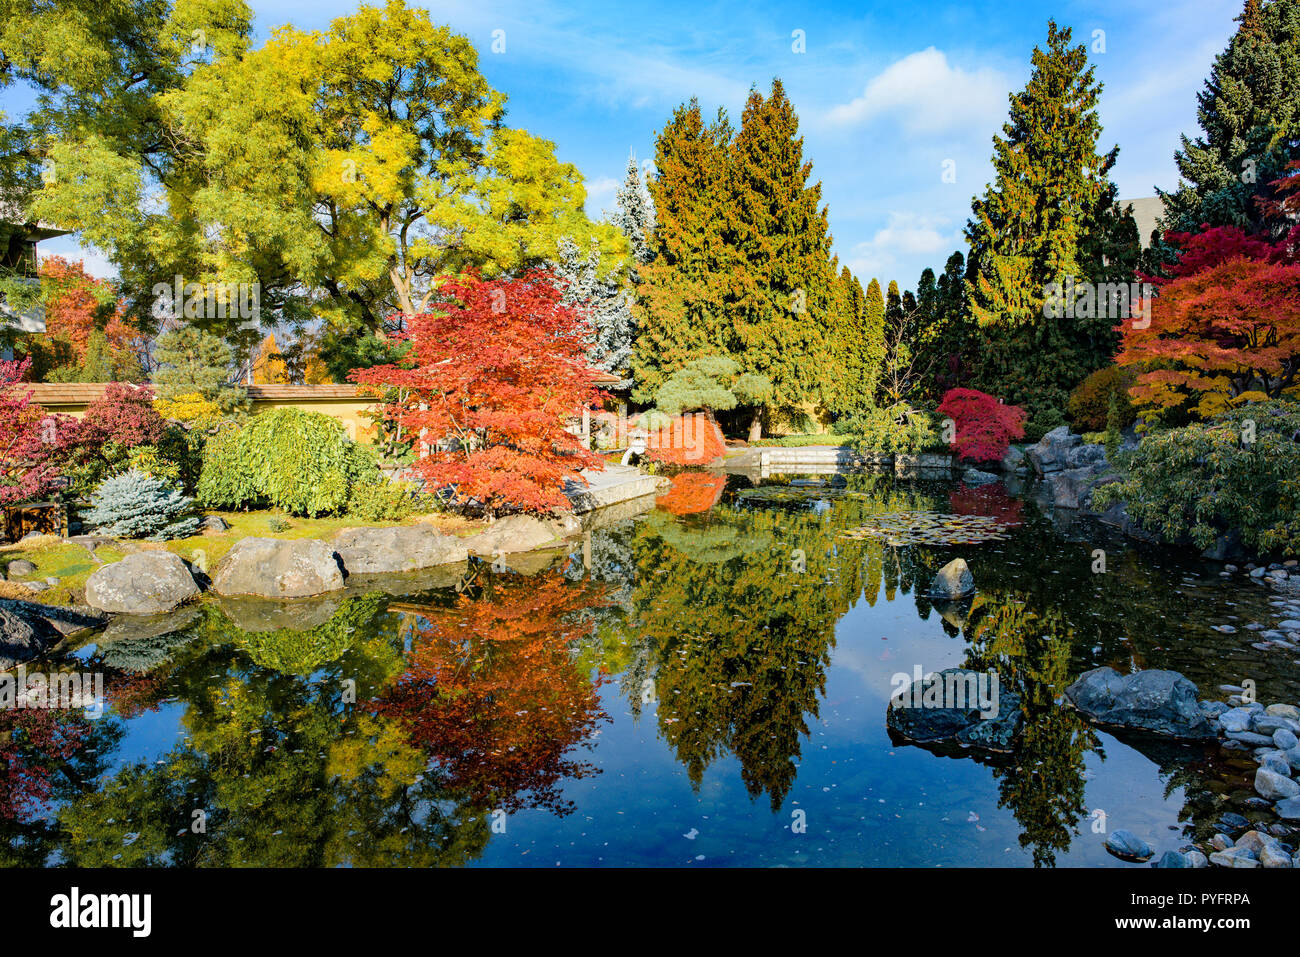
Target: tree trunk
(756,426)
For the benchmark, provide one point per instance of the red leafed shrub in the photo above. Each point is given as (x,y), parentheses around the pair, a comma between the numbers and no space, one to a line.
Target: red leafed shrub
(985,427)
(492,381)
(26,472)
(693,492)
(686,440)
(125,416)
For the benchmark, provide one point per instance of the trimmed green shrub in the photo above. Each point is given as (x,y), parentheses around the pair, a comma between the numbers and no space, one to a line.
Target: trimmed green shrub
(298,461)
(1240,472)
(1090,401)
(898,428)
(137,505)
(386,501)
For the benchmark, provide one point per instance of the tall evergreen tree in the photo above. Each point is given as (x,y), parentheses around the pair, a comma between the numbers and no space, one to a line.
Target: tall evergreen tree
(1042,221)
(858,346)
(780,289)
(634,214)
(604,301)
(682,295)
(1249,114)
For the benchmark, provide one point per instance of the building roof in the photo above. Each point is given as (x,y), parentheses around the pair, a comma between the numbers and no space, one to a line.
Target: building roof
(83,393)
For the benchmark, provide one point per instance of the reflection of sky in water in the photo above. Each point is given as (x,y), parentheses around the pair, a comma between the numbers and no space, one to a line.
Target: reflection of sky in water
(864,799)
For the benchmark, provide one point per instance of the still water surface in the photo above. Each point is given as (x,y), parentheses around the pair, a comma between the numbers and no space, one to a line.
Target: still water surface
(701,685)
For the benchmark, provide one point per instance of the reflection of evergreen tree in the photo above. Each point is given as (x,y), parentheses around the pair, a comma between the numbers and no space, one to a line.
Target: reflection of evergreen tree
(1030,651)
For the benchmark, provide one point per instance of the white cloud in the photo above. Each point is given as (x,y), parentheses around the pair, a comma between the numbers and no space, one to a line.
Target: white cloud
(909,235)
(70,247)
(927,95)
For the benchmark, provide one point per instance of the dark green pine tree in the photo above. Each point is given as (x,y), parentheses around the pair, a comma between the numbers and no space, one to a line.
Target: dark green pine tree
(858,338)
(1249,114)
(1041,221)
(682,295)
(780,290)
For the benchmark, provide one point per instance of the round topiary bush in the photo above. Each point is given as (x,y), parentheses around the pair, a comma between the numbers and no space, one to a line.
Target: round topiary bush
(1090,400)
(298,461)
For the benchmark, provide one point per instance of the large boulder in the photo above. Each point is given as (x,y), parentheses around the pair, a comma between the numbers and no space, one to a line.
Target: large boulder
(142,583)
(1162,702)
(515,533)
(278,568)
(367,551)
(960,720)
(1013,460)
(1050,454)
(1072,488)
(1082,456)
(953,581)
(23,636)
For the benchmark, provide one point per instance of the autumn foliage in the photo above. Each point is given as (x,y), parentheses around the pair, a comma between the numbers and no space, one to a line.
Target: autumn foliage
(27,470)
(985,427)
(492,695)
(693,492)
(692,439)
(493,379)
(1224,329)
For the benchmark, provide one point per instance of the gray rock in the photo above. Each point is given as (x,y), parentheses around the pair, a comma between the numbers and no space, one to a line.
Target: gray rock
(1082,456)
(1013,460)
(1274,786)
(1128,846)
(142,583)
(215,523)
(975,477)
(1272,856)
(1251,739)
(365,551)
(1235,719)
(1172,859)
(1160,701)
(1270,724)
(1196,859)
(961,723)
(1284,739)
(278,568)
(1236,857)
(1276,762)
(953,581)
(1050,452)
(21,566)
(514,533)
(1072,488)
(1283,711)
(1288,809)
(23,636)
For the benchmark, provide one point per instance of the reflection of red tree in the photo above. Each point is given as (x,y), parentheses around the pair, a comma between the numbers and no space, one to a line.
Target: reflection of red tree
(693,492)
(492,694)
(991,500)
(133,695)
(32,746)
(686,440)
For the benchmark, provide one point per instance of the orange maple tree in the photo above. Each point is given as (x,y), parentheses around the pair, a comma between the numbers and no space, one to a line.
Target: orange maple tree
(494,378)
(76,304)
(492,694)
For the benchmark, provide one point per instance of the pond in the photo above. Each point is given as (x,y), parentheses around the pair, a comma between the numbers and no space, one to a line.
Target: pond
(703,684)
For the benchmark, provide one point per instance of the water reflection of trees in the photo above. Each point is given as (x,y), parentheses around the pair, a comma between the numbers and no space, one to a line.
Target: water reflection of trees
(327,746)
(738,612)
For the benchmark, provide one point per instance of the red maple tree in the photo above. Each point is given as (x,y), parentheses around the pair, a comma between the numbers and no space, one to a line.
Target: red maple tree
(984,427)
(76,304)
(1225,326)
(27,469)
(491,384)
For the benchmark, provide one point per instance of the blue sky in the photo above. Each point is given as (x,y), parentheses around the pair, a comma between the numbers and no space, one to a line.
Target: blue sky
(886,93)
